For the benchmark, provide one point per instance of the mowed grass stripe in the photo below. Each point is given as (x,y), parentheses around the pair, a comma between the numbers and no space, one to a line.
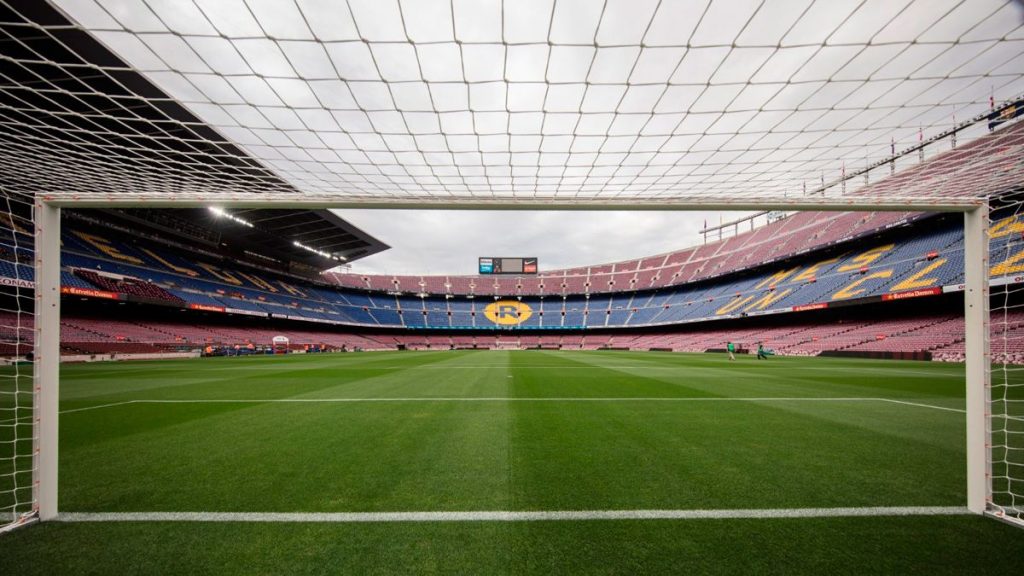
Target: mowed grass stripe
(454,456)
(855,546)
(205,378)
(789,376)
(297,449)
(531,438)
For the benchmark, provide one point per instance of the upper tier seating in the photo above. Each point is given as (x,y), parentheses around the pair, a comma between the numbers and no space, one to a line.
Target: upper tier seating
(127,285)
(927,259)
(793,235)
(938,177)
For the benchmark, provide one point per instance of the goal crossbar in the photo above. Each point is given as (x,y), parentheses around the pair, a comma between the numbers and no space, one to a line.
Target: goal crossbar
(665,203)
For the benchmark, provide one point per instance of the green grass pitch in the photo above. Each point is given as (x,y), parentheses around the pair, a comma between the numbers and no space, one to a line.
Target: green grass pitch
(513,431)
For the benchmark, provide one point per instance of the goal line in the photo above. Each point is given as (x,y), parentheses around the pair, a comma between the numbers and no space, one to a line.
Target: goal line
(512,516)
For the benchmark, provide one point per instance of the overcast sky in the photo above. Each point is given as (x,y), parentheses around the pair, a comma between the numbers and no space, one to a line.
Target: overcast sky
(449,242)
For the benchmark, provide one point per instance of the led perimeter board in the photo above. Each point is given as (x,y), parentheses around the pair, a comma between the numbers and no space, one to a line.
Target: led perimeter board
(495,265)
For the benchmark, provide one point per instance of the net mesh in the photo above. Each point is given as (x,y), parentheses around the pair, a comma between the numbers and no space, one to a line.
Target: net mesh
(454,100)
(441,100)
(1006,395)
(17,500)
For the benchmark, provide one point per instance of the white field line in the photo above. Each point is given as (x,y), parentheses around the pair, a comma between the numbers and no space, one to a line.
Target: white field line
(18,522)
(73,410)
(511,516)
(506,399)
(960,410)
(679,367)
(12,421)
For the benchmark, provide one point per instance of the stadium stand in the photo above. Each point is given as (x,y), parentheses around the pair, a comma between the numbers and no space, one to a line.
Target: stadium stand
(939,335)
(803,261)
(793,235)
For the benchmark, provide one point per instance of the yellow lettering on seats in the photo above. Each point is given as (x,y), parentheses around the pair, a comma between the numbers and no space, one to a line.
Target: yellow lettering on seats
(850,292)
(1011,265)
(258,282)
(866,258)
(918,280)
(10,220)
(812,271)
(1005,227)
(768,299)
(291,289)
(225,276)
(178,269)
(734,304)
(103,245)
(774,279)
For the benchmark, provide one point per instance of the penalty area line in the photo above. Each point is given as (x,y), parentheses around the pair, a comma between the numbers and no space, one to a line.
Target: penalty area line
(512,516)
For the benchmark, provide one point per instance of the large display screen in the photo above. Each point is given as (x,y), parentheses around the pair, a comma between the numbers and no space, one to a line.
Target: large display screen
(501,265)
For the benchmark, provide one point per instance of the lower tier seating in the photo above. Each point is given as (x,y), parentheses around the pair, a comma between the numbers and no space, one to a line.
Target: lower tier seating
(941,335)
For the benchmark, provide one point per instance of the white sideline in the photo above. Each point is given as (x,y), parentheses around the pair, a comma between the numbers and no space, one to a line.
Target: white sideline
(510,516)
(507,399)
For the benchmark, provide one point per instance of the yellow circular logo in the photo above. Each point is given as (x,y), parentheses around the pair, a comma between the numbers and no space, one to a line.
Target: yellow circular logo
(508,312)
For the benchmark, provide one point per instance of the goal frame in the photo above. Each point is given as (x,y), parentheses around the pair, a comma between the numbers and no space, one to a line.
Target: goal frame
(47,207)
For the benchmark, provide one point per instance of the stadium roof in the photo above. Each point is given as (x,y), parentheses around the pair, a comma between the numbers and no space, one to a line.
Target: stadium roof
(147,134)
(461,101)
(318,229)
(319,239)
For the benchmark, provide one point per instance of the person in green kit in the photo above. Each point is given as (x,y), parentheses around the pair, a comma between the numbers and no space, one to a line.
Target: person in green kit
(731,349)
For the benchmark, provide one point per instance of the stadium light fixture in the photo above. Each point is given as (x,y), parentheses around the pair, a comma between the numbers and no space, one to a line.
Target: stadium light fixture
(221,213)
(298,244)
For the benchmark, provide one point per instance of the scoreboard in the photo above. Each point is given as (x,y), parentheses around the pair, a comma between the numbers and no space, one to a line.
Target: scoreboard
(494,265)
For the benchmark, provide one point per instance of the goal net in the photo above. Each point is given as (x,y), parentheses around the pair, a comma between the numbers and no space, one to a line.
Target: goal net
(1006,395)
(540,103)
(17,461)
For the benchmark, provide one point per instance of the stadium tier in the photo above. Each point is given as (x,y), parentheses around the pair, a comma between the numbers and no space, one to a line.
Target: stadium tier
(800,233)
(916,258)
(910,260)
(934,336)
(805,261)
(849,259)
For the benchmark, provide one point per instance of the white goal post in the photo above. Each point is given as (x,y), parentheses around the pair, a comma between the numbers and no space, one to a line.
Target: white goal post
(47,313)
(978,359)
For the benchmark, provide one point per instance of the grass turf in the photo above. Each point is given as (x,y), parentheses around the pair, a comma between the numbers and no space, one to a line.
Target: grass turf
(672,439)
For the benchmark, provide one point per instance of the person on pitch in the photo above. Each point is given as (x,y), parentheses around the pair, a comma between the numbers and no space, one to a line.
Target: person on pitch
(761,354)
(731,349)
